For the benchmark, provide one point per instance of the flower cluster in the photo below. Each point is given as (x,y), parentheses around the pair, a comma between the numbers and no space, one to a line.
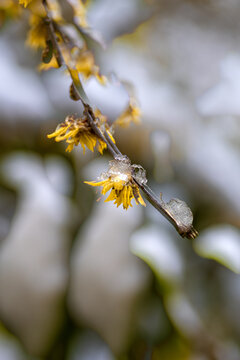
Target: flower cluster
(76,130)
(76,57)
(65,42)
(8,9)
(119,180)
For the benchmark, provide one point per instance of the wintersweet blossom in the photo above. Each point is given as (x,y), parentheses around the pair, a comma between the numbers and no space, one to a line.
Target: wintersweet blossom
(37,34)
(119,180)
(85,64)
(25,3)
(78,131)
(131,114)
(80,12)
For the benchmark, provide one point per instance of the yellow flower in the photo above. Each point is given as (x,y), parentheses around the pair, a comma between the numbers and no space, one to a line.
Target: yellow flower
(85,64)
(80,12)
(9,9)
(52,64)
(119,180)
(25,3)
(37,34)
(77,131)
(131,114)
(55,10)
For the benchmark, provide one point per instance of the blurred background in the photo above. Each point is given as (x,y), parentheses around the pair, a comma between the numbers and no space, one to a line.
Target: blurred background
(81,279)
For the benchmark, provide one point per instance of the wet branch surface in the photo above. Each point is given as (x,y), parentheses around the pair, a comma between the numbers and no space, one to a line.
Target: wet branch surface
(184,228)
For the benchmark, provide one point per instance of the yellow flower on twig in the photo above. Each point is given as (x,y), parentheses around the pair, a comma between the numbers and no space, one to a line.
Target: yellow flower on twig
(131,114)
(80,12)
(78,131)
(85,64)
(37,34)
(52,64)
(119,180)
(25,3)
(9,9)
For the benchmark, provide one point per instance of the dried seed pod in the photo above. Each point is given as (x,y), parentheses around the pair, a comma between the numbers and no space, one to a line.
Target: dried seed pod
(47,52)
(72,93)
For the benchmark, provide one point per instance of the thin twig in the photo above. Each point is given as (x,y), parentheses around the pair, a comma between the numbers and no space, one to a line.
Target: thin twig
(97,131)
(159,204)
(112,144)
(52,34)
(60,59)
(184,231)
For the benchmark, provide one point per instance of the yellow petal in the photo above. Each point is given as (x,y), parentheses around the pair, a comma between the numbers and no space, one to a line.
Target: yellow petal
(94,183)
(119,199)
(52,64)
(58,131)
(24,2)
(100,116)
(111,137)
(124,195)
(82,144)
(130,195)
(89,140)
(118,184)
(112,196)
(80,12)
(101,146)
(101,79)
(92,139)
(85,64)
(62,137)
(138,197)
(141,201)
(55,10)
(70,147)
(107,187)
(131,114)
(37,34)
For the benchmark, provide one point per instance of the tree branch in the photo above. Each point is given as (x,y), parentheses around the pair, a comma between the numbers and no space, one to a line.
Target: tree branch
(185,229)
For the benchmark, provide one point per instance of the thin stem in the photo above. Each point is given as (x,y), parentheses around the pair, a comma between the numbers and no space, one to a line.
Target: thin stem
(52,34)
(112,144)
(188,232)
(158,204)
(98,132)
(60,58)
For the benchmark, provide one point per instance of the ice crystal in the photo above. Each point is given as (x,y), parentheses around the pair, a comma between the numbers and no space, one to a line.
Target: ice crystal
(139,173)
(180,212)
(120,166)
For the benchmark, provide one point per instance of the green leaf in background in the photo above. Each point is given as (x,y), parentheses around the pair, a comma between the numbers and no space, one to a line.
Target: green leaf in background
(157,248)
(220,243)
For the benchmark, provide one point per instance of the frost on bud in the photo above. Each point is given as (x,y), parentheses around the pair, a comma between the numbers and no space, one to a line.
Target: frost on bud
(182,216)
(139,174)
(180,211)
(120,167)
